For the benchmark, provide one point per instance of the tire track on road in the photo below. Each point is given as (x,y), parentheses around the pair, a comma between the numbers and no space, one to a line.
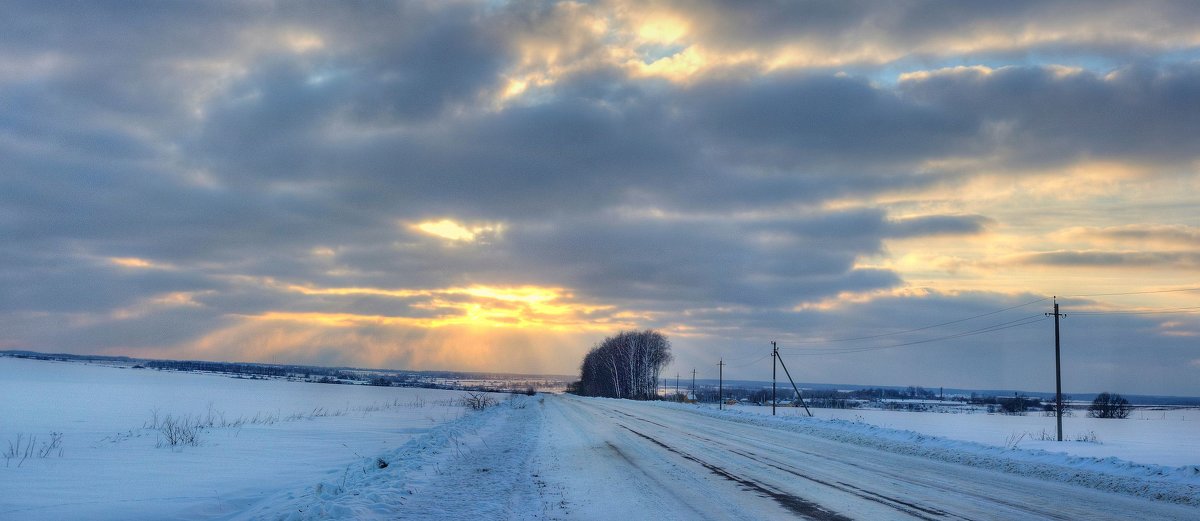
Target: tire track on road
(907,507)
(798,505)
(917,511)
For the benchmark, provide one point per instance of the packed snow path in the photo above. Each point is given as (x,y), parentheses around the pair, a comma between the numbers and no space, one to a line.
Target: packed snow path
(564,458)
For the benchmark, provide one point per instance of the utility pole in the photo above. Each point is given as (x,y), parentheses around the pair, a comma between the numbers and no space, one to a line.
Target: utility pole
(676,386)
(774,357)
(794,388)
(1058,406)
(694,396)
(721,384)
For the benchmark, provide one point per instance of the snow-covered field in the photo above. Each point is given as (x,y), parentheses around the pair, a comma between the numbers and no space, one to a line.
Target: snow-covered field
(1160,437)
(278,450)
(266,436)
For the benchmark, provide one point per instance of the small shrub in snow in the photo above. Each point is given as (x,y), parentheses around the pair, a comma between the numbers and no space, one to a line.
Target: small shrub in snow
(477,401)
(54,446)
(23,448)
(1044,436)
(19,449)
(381,463)
(1014,439)
(179,432)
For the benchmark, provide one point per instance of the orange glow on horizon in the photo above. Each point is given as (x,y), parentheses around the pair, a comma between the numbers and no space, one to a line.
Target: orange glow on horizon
(507,307)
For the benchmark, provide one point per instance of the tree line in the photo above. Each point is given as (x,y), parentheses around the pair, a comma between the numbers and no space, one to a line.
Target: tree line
(626,365)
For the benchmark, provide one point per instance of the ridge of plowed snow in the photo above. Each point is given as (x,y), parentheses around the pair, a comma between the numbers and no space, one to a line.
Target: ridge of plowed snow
(1173,484)
(455,471)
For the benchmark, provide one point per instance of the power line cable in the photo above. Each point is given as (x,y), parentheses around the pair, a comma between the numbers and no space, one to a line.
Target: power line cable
(989,329)
(747,356)
(881,335)
(1165,311)
(755,361)
(1020,322)
(1132,293)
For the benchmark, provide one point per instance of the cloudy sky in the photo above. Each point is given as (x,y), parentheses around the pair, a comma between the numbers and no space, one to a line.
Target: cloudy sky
(893,191)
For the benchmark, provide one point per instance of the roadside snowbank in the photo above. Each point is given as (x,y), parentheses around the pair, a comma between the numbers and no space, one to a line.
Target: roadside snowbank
(1173,484)
(475,467)
(1163,436)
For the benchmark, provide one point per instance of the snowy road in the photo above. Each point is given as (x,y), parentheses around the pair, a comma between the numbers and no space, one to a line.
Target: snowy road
(609,459)
(566,458)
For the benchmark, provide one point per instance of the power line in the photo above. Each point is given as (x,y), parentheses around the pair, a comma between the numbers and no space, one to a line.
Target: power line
(985,329)
(990,313)
(1164,311)
(1134,292)
(745,356)
(755,361)
(989,329)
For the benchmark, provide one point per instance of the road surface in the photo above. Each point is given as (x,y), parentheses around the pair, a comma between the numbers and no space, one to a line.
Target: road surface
(613,459)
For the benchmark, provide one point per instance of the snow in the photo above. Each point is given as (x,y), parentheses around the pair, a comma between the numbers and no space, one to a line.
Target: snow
(1175,483)
(112,468)
(394,453)
(475,468)
(1169,437)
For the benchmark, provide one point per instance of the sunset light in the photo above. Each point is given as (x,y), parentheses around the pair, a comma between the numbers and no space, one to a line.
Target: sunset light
(367,186)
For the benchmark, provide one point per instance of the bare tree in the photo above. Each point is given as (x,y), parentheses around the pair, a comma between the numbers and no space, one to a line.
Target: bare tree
(1109,406)
(626,365)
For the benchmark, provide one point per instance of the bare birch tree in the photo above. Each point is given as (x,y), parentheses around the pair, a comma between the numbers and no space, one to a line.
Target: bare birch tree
(626,365)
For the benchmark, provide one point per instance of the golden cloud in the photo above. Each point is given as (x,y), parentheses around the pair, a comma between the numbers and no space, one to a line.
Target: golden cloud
(508,307)
(454,231)
(137,263)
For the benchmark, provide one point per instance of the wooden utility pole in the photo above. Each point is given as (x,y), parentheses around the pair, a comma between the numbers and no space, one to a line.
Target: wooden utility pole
(1058,405)
(794,388)
(721,384)
(694,395)
(774,357)
(676,386)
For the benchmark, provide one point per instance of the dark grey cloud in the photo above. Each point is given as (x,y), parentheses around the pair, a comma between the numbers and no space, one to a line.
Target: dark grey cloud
(269,137)
(830,124)
(1183,235)
(672,265)
(1041,116)
(856,31)
(54,281)
(1184,260)
(938,225)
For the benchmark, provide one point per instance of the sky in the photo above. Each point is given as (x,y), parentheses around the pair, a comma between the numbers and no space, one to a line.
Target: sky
(892,191)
